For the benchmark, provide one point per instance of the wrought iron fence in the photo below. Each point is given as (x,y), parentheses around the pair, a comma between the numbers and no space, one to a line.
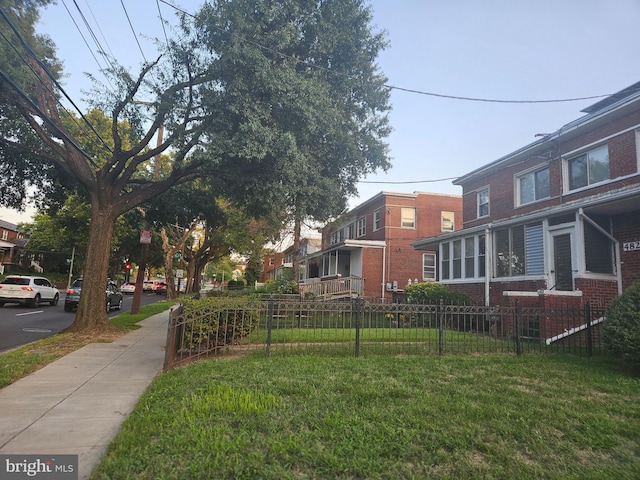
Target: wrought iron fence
(288,325)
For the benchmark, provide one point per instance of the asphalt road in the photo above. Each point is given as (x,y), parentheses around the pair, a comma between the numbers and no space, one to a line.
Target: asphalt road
(21,325)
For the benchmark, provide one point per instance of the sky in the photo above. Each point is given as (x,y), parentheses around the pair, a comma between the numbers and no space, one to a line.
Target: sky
(517,50)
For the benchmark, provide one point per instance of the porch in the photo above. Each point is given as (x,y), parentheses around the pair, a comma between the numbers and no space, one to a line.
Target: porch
(332,288)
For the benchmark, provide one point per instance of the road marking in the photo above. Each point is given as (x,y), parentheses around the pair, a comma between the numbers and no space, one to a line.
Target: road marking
(29,313)
(36,330)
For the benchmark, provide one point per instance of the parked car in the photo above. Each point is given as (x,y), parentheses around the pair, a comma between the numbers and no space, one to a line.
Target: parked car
(161,288)
(112,297)
(28,290)
(128,288)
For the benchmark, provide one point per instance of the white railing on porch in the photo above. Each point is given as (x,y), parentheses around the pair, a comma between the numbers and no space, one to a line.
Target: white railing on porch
(334,288)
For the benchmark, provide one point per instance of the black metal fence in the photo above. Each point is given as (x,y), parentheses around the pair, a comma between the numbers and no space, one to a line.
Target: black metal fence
(279,326)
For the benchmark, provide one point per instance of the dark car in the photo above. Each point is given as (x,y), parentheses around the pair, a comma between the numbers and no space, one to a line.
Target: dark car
(161,288)
(112,298)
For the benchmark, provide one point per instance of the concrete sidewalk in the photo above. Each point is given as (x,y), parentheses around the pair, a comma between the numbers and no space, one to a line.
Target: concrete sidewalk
(76,404)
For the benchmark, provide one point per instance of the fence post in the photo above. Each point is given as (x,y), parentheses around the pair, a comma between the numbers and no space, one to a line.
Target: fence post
(269,324)
(587,314)
(440,320)
(518,330)
(358,308)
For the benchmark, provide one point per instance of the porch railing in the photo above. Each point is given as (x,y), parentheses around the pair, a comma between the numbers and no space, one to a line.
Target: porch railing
(342,287)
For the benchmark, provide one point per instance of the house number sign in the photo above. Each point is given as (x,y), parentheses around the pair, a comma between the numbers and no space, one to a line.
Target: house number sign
(631,246)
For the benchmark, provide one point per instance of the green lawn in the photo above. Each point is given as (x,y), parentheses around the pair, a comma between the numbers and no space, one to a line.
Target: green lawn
(384,417)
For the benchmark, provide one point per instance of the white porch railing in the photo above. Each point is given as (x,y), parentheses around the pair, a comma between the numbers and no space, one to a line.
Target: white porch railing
(335,288)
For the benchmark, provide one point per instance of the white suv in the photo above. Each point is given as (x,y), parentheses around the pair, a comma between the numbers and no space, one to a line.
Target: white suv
(28,291)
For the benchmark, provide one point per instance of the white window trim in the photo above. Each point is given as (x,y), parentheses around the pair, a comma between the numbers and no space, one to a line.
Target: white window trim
(480,190)
(415,214)
(453,223)
(361,232)
(566,158)
(377,218)
(435,268)
(519,175)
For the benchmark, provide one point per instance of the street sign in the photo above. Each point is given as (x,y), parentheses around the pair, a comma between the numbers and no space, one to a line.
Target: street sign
(179,273)
(145,237)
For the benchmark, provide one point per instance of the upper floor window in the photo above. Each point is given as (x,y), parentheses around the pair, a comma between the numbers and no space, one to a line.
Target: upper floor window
(341,235)
(377,219)
(428,267)
(350,231)
(589,168)
(533,186)
(408,217)
(361,227)
(272,261)
(483,203)
(334,238)
(5,234)
(447,221)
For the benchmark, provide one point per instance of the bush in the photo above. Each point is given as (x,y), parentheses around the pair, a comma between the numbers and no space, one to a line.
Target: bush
(216,322)
(430,293)
(280,286)
(621,329)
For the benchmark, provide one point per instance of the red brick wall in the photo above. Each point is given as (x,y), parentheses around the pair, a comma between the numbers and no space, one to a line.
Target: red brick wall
(500,179)
(372,271)
(626,228)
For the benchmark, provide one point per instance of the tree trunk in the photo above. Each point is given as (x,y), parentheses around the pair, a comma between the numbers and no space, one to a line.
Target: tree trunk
(91,312)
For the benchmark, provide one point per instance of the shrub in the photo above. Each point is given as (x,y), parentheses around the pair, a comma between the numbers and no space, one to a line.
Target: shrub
(281,286)
(216,322)
(621,330)
(430,293)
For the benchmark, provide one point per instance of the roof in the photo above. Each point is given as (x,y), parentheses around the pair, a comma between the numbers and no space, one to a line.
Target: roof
(8,226)
(626,97)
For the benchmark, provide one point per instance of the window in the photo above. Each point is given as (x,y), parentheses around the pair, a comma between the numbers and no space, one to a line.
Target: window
(334,238)
(533,186)
(361,226)
(481,255)
(341,235)
(272,261)
(408,217)
(350,230)
(446,261)
(483,203)
(447,221)
(377,220)
(428,267)
(469,257)
(519,251)
(598,248)
(457,259)
(589,168)
(463,258)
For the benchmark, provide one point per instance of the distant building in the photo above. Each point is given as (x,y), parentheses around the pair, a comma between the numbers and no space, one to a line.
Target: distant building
(11,239)
(275,263)
(368,250)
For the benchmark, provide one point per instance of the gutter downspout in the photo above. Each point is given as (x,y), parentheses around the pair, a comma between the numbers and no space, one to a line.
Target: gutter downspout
(384,270)
(487,264)
(615,242)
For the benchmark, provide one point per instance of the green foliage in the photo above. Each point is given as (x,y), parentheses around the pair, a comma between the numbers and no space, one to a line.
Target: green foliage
(282,285)
(215,322)
(621,330)
(430,293)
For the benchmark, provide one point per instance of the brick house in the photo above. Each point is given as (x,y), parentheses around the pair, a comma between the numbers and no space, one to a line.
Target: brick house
(555,222)
(274,263)
(371,244)
(10,240)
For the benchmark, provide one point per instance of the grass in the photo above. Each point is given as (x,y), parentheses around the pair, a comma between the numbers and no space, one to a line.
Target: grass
(384,417)
(22,361)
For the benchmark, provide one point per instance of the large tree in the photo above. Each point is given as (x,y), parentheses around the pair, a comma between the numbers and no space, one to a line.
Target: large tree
(304,101)
(165,95)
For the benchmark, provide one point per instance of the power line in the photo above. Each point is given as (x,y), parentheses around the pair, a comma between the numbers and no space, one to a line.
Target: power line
(29,50)
(132,29)
(411,181)
(391,87)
